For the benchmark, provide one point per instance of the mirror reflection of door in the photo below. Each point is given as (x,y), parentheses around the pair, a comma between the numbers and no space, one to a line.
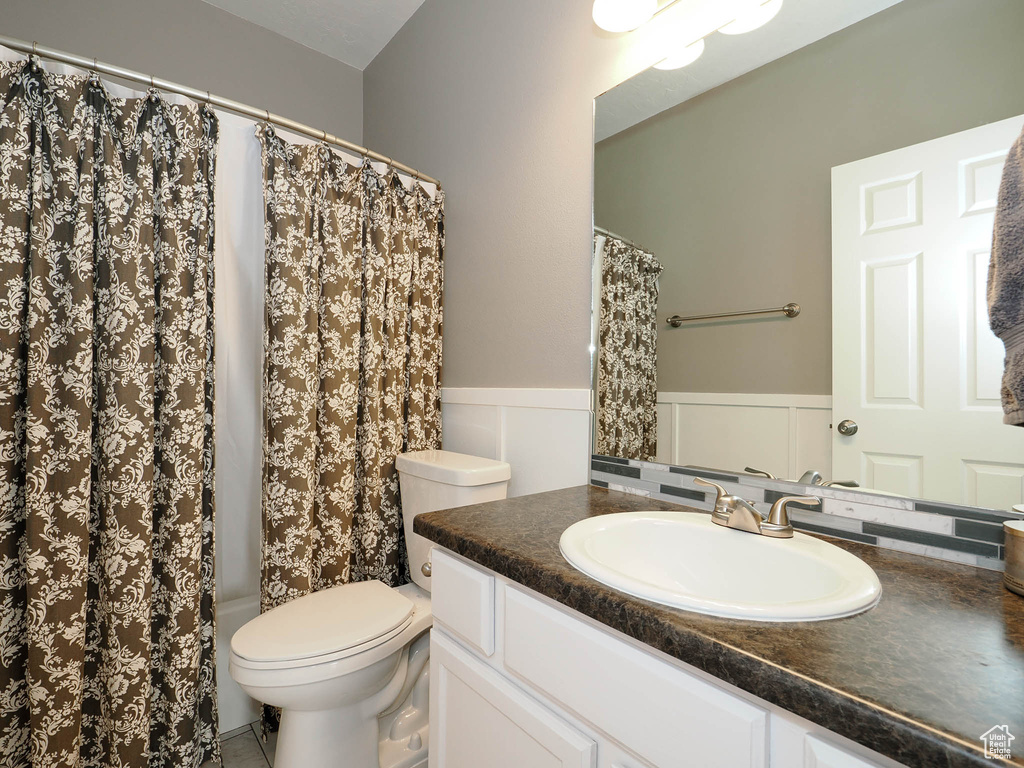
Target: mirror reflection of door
(915,364)
(723,170)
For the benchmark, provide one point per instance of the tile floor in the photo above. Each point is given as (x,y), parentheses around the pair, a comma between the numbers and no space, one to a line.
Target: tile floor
(243,748)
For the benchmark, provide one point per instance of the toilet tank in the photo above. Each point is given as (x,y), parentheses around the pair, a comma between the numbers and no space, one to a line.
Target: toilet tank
(433,480)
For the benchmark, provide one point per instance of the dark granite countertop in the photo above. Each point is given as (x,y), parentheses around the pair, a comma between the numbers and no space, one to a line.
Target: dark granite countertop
(938,662)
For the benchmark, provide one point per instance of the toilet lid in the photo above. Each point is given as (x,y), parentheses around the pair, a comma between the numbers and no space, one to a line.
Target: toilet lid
(323,623)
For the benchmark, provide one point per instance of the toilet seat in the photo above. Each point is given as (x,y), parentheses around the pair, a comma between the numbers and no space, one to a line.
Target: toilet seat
(342,661)
(323,627)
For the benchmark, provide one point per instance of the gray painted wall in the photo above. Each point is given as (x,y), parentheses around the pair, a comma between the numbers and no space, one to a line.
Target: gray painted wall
(732,189)
(495,99)
(193,43)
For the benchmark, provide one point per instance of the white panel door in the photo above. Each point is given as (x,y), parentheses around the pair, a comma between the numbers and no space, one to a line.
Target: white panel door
(914,363)
(477,719)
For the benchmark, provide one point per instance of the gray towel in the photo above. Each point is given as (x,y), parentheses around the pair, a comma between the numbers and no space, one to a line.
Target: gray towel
(1006,282)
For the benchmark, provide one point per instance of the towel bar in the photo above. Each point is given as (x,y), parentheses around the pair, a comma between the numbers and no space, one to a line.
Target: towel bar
(790,310)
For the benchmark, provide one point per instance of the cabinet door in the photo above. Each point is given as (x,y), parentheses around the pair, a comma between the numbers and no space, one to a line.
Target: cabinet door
(479,719)
(821,754)
(462,600)
(611,755)
(794,745)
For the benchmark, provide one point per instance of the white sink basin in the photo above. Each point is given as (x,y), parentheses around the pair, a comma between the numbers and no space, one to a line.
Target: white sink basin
(684,560)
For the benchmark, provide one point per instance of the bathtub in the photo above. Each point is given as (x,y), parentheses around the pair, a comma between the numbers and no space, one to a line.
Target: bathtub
(236,707)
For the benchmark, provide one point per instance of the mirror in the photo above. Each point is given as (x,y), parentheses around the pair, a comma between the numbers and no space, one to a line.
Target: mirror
(844,158)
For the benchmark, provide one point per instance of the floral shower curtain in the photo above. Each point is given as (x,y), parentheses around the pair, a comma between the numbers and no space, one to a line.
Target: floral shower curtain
(627,387)
(352,364)
(106,426)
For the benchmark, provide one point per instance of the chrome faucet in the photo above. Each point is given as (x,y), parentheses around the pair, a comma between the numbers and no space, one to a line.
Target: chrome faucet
(813,477)
(810,477)
(733,512)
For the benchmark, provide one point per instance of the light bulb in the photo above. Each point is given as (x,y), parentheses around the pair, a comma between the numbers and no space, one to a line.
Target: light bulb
(750,20)
(682,57)
(623,15)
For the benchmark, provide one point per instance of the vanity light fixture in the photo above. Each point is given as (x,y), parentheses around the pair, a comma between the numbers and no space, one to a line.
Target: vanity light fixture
(699,19)
(750,20)
(623,15)
(682,57)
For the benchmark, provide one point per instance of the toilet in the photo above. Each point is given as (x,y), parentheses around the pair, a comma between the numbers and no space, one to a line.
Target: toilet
(348,666)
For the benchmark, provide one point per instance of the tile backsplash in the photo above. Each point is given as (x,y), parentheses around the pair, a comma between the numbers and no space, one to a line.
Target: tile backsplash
(945,531)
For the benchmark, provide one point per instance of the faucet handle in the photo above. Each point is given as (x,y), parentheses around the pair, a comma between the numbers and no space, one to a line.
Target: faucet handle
(779,515)
(722,499)
(721,491)
(760,472)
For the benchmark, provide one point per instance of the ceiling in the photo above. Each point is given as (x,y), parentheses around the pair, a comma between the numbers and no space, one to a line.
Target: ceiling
(799,23)
(351,31)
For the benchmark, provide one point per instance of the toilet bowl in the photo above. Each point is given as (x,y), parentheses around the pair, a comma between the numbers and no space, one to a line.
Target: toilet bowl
(348,665)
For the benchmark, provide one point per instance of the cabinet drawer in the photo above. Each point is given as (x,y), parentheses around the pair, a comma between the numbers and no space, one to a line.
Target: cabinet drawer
(477,718)
(669,717)
(462,600)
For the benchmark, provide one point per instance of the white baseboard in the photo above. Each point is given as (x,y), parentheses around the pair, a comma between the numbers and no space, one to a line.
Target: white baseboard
(543,433)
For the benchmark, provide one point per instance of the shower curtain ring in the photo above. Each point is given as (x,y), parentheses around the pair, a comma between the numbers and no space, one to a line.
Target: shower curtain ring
(34,47)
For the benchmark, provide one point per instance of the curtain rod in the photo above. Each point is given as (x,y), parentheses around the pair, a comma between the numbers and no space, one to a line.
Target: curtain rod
(626,240)
(204,97)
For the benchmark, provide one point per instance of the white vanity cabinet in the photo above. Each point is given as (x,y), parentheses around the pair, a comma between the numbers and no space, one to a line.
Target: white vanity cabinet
(517,680)
(481,719)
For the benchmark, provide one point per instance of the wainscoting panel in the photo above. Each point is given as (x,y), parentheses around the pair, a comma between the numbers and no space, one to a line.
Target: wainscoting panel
(543,433)
(782,434)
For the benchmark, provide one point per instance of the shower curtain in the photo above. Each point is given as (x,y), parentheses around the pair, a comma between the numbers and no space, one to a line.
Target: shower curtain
(352,364)
(627,388)
(106,425)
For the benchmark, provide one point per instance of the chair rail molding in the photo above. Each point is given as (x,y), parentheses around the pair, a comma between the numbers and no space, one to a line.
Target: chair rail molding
(560,399)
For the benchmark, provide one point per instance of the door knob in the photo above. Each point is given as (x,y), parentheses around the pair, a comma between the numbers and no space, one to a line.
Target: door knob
(847,427)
